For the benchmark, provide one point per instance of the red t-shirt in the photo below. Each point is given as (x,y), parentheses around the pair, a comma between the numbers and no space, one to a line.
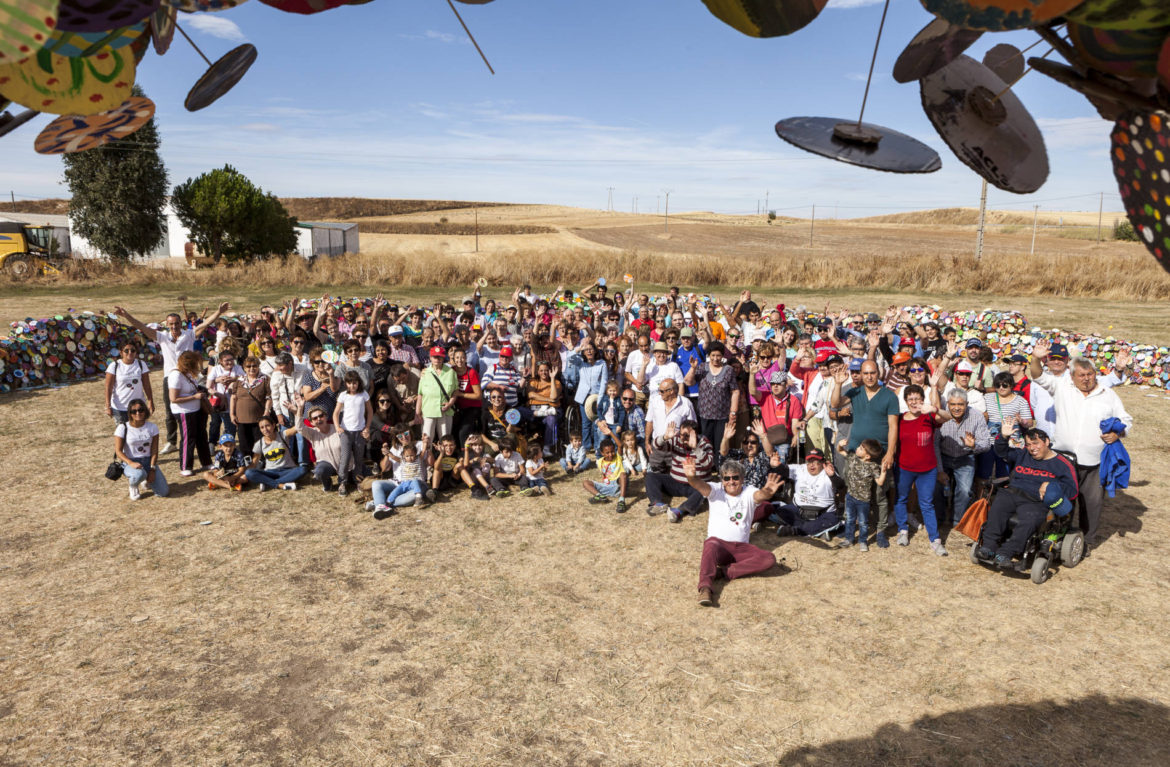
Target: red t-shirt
(469,379)
(916,443)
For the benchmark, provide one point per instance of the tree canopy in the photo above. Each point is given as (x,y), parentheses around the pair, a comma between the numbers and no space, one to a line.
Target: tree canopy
(119,191)
(231,218)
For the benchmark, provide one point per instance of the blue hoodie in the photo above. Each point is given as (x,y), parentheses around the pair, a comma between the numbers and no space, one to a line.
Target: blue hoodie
(1114,469)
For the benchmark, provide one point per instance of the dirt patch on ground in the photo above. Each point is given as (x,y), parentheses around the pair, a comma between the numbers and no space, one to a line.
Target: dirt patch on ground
(542,630)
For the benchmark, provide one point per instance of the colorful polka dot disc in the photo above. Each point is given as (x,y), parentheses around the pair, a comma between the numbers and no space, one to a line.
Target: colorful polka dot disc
(76,133)
(1141,164)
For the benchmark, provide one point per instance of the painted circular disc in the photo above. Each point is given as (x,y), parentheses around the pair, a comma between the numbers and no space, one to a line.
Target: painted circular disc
(305,6)
(25,26)
(162,28)
(765,18)
(1121,52)
(1010,154)
(102,15)
(203,6)
(1121,14)
(1140,152)
(76,133)
(62,85)
(512,416)
(999,15)
(895,152)
(220,77)
(935,46)
(75,44)
(1006,61)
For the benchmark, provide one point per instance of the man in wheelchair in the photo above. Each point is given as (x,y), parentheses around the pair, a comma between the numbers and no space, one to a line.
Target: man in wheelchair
(1041,482)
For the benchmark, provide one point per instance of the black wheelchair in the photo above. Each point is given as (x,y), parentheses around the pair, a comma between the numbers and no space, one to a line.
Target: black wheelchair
(1058,541)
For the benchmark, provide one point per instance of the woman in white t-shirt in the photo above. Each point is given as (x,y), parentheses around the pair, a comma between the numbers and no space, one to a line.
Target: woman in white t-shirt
(136,446)
(186,406)
(127,378)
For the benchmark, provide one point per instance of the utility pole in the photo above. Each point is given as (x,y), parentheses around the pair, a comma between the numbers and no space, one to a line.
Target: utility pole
(13,200)
(1100,211)
(609,205)
(812,223)
(982,221)
(766,193)
(657,204)
(666,214)
(1035,215)
(477,230)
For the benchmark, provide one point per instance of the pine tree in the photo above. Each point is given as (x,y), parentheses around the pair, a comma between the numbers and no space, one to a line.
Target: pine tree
(119,191)
(230,217)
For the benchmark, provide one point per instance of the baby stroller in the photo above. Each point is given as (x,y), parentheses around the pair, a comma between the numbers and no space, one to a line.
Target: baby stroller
(1058,541)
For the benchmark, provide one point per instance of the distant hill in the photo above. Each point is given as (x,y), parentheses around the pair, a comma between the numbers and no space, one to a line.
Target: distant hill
(56,207)
(947,217)
(325,208)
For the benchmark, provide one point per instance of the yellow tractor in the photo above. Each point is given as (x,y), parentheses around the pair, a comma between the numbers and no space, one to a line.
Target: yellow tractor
(25,250)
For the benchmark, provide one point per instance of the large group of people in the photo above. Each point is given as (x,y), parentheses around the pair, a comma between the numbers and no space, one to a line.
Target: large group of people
(813,423)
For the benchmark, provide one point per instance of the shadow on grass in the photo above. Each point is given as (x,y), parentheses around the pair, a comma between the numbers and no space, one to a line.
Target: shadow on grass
(1120,515)
(1096,730)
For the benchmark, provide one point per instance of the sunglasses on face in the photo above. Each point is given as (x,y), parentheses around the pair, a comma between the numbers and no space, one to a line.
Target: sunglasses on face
(360,336)
(962,373)
(320,362)
(917,370)
(298,342)
(733,478)
(317,418)
(751,442)
(627,399)
(139,410)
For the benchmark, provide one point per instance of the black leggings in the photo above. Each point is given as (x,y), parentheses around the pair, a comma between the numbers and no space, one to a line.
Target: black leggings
(247,435)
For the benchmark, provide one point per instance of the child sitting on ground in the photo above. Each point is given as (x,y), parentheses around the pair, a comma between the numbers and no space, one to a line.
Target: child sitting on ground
(576,459)
(508,470)
(410,476)
(228,466)
(862,470)
(534,471)
(475,468)
(633,456)
(445,465)
(613,478)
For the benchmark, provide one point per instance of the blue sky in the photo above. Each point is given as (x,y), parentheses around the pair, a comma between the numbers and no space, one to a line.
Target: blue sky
(389,99)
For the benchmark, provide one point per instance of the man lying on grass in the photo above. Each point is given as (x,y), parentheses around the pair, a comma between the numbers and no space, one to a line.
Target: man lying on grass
(726,552)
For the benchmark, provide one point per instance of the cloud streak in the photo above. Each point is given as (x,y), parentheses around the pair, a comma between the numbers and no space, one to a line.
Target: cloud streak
(216,26)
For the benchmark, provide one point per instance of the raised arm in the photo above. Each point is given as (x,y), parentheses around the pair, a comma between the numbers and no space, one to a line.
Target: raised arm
(689,471)
(134,323)
(206,323)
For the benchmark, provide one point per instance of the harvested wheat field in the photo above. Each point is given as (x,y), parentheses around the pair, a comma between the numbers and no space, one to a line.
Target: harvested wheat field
(283,628)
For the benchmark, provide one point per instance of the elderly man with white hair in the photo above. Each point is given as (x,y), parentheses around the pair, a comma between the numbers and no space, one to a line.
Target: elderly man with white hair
(1082,403)
(960,439)
(734,508)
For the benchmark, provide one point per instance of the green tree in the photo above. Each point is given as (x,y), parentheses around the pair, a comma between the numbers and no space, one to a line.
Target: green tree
(231,218)
(119,191)
(1123,230)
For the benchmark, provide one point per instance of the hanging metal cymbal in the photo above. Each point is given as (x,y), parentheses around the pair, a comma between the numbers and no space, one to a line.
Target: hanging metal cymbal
(985,125)
(936,45)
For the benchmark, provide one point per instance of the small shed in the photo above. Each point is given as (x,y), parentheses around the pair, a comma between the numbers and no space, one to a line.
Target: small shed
(59,223)
(326,238)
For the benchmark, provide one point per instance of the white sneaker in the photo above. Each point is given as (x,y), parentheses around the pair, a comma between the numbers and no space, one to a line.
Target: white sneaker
(135,493)
(186,473)
(903,538)
(167,448)
(863,546)
(937,546)
(289,486)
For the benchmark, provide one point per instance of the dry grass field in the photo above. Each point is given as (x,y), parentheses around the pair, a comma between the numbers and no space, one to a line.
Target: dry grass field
(214,628)
(289,628)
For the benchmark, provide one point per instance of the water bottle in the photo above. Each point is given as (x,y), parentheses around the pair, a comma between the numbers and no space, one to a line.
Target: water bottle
(803,436)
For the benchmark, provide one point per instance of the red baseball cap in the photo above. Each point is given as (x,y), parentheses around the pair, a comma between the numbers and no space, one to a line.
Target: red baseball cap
(506,351)
(823,356)
(438,351)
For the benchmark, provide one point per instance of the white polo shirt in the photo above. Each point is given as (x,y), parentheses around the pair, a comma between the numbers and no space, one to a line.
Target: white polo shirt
(173,347)
(1079,417)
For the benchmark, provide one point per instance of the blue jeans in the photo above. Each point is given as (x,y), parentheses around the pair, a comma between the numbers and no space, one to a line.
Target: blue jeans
(856,512)
(961,470)
(271,479)
(586,464)
(214,421)
(159,485)
(925,481)
(590,434)
(386,493)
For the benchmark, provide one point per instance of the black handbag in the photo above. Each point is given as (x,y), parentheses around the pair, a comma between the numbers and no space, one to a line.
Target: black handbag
(114,470)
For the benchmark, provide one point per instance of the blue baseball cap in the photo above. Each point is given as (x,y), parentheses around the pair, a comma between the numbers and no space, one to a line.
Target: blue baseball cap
(226,438)
(973,342)
(1060,351)
(855,364)
(1055,501)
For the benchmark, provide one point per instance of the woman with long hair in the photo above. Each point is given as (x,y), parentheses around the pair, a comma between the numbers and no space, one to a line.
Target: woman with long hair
(187,406)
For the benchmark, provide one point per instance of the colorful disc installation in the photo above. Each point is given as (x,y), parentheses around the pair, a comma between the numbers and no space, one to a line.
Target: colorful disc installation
(305,7)
(76,133)
(1121,14)
(999,15)
(1141,165)
(25,25)
(78,44)
(1110,96)
(162,28)
(765,18)
(870,146)
(1006,61)
(935,46)
(64,85)
(1120,52)
(985,125)
(220,77)
(102,15)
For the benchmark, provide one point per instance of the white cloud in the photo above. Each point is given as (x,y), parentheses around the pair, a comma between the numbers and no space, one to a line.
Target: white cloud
(260,127)
(442,37)
(847,4)
(217,26)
